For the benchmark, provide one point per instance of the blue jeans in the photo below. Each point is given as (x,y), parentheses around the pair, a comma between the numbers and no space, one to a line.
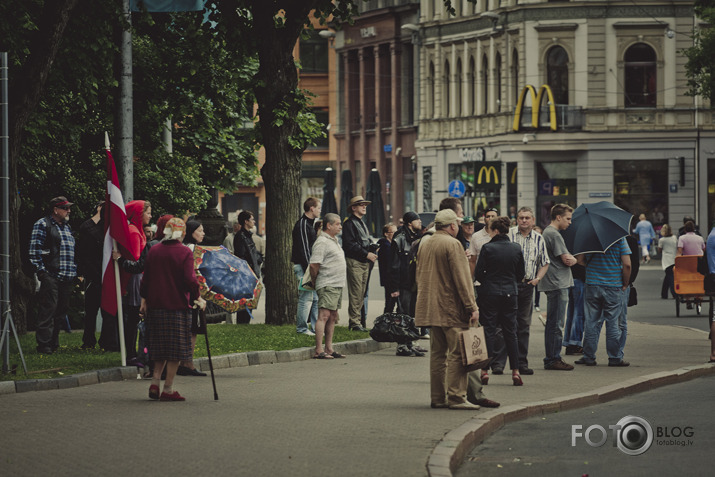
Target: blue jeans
(623,323)
(307,304)
(601,304)
(573,332)
(556,303)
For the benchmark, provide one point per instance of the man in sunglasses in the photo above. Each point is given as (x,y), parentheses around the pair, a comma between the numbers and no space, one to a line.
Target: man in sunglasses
(52,253)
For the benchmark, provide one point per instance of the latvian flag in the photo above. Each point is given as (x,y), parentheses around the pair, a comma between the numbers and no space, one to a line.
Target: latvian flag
(117,228)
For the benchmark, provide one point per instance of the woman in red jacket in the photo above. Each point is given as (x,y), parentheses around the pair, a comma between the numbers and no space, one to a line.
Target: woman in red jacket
(169,289)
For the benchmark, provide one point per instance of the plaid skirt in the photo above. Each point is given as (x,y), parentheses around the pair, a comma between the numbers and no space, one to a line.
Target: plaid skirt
(169,335)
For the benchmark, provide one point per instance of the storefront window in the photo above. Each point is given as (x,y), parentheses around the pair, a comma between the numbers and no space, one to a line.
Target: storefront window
(641,187)
(556,185)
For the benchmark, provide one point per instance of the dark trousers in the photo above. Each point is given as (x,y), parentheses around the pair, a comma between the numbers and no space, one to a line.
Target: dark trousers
(53,301)
(92,302)
(525,300)
(391,302)
(499,312)
(668,283)
(131,322)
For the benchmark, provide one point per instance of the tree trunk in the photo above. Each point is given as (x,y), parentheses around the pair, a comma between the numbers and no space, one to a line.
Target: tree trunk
(25,89)
(278,80)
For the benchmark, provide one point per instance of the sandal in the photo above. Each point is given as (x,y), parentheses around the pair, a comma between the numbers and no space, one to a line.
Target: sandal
(337,355)
(323,355)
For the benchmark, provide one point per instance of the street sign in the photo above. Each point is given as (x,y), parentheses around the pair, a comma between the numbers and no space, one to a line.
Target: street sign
(457,189)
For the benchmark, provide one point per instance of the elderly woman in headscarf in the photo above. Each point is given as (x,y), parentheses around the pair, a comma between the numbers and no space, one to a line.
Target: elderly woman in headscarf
(169,289)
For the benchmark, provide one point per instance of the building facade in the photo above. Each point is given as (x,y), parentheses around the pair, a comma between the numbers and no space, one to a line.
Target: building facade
(532,103)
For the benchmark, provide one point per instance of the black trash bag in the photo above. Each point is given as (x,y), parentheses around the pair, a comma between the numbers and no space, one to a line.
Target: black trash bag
(394,328)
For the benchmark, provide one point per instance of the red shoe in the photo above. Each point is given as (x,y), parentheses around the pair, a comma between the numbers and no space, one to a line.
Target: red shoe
(154,392)
(175,396)
(485,378)
(517,380)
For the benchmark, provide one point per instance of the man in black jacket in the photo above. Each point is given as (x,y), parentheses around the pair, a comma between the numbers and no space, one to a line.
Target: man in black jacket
(358,258)
(89,266)
(304,235)
(244,247)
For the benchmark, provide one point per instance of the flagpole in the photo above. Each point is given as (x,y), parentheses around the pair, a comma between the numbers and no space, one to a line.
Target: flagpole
(118,289)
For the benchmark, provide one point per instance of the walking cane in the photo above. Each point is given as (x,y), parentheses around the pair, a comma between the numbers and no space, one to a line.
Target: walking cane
(200,317)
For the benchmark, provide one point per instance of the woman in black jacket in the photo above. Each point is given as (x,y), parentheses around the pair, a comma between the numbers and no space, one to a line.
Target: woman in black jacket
(499,268)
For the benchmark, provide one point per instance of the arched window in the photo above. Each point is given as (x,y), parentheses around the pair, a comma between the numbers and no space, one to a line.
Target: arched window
(640,76)
(472,88)
(458,89)
(498,85)
(485,85)
(557,74)
(446,93)
(515,75)
(430,91)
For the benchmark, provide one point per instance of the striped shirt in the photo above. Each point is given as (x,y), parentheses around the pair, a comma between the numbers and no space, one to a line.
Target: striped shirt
(604,269)
(534,249)
(67,268)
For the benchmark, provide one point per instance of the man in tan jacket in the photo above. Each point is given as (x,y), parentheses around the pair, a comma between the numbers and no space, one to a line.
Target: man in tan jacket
(445,302)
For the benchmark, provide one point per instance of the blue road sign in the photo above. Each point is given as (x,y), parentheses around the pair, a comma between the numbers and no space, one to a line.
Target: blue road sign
(457,189)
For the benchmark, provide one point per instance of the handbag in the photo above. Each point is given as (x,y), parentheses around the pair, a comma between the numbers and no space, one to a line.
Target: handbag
(394,328)
(306,283)
(473,347)
(633,296)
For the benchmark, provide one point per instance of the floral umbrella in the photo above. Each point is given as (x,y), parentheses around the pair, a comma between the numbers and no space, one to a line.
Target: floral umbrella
(226,279)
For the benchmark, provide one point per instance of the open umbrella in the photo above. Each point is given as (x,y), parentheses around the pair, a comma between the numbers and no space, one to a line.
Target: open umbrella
(375,216)
(346,193)
(226,279)
(595,227)
(329,205)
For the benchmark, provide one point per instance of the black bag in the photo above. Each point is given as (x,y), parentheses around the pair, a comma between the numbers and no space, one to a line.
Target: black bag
(394,328)
(633,297)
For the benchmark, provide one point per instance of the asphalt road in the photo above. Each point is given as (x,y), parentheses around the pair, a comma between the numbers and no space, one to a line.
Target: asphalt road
(543,445)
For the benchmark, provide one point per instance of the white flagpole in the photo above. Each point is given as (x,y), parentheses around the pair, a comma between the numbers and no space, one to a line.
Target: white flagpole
(117,287)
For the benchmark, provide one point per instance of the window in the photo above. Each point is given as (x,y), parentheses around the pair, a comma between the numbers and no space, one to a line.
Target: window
(640,76)
(472,87)
(446,93)
(485,84)
(515,74)
(430,91)
(458,89)
(641,187)
(557,73)
(498,85)
(313,53)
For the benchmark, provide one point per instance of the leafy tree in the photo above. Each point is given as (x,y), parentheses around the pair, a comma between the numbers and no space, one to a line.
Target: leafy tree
(701,57)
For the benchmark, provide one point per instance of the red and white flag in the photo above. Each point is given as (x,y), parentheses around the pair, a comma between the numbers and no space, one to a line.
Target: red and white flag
(115,227)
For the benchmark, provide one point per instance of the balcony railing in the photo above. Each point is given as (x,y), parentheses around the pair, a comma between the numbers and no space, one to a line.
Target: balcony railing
(568,118)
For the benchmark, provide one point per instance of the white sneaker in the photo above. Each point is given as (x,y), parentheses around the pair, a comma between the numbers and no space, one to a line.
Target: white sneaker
(309,333)
(467,406)
(536,308)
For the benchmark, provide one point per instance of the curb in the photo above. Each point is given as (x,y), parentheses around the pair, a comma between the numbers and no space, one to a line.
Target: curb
(448,455)
(236,360)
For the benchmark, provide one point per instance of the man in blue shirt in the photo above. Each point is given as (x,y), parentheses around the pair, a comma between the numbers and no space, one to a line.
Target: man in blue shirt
(607,277)
(52,255)
(710,285)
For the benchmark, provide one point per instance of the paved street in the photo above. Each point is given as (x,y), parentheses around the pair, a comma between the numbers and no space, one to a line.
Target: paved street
(366,415)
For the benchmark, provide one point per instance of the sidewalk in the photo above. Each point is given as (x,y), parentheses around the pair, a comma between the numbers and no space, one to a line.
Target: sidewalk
(368,414)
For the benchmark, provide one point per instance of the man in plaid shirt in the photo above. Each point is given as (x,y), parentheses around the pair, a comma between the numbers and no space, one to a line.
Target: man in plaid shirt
(52,255)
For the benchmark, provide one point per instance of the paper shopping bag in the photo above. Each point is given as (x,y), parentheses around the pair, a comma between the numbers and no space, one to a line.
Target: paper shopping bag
(473,347)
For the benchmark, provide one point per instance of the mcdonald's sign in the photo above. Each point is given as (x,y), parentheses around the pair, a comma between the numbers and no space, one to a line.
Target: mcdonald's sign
(487,175)
(536,100)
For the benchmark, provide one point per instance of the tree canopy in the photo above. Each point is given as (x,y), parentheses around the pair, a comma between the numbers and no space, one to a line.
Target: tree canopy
(701,57)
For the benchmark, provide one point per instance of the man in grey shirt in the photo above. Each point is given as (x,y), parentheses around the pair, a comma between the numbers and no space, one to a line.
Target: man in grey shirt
(556,284)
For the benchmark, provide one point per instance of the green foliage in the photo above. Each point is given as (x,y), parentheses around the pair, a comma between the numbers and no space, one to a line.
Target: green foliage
(223,338)
(308,126)
(701,56)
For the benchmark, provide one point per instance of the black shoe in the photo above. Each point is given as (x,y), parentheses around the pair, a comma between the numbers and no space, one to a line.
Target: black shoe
(403,352)
(620,364)
(526,371)
(498,371)
(585,361)
(183,371)
(359,328)
(419,354)
(196,372)
(45,350)
(571,350)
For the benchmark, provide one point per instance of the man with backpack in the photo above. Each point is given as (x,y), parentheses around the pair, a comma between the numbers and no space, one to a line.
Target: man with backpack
(52,254)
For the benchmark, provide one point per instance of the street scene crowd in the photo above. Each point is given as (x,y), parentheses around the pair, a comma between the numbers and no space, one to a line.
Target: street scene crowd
(449,275)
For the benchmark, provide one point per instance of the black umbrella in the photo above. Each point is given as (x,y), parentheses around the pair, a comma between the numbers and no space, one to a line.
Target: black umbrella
(346,193)
(329,205)
(375,216)
(595,227)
